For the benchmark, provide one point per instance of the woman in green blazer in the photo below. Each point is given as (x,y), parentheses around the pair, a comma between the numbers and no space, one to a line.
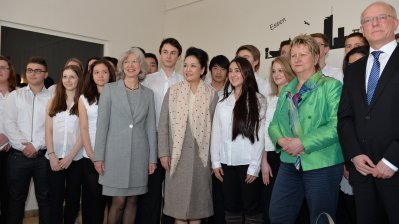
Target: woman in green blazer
(304,130)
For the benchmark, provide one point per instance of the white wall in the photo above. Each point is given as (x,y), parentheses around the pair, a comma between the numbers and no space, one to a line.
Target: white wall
(221,26)
(119,24)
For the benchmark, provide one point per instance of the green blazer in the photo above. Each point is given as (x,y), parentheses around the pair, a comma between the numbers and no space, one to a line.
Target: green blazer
(318,118)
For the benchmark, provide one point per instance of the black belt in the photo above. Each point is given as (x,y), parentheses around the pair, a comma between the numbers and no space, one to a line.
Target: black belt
(40,152)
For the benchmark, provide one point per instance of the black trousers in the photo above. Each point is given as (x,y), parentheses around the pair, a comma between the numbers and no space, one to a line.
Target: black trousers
(4,198)
(377,200)
(346,211)
(273,159)
(150,204)
(93,202)
(240,197)
(20,170)
(65,186)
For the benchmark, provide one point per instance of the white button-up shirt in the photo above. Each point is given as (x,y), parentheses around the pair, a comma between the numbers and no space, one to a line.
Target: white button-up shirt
(3,99)
(333,72)
(240,151)
(159,83)
(25,115)
(271,104)
(92,113)
(65,134)
(263,85)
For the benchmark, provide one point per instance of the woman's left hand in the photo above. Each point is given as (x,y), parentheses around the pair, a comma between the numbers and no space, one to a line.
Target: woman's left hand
(65,162)
(294,147)
(151,168)
(249,179)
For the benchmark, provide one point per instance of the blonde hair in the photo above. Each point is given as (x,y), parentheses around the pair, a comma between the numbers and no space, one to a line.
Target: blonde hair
(287,70)
(308,41)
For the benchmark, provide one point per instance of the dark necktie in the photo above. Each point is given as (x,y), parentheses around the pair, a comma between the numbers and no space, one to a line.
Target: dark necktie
(374,76)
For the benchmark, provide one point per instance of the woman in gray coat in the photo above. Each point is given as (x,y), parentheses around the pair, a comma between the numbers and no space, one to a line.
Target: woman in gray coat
(125,147)
(183,142)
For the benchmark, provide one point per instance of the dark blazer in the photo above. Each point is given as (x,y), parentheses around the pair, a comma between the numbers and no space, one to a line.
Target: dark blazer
(371,130)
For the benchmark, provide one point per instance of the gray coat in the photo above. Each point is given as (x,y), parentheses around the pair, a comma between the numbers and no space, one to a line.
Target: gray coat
(126,142)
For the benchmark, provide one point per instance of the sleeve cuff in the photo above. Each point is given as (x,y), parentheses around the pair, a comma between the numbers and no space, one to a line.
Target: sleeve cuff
(390,165)
(216,165)
(253,171)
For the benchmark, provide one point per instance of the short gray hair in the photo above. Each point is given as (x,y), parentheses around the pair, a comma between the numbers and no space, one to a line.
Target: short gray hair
(140,56)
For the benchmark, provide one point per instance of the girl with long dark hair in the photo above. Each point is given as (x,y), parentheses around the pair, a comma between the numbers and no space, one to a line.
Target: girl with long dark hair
(237,143)
(93,202)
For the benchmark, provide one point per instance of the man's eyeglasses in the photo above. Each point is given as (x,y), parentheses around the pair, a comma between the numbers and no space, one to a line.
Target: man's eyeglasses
(36,71)
(379,18)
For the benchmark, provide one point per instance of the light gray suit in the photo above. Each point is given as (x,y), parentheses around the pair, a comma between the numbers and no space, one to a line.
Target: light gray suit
(126,142)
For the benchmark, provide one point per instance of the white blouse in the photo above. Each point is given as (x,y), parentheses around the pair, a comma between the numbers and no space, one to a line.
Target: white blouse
(271,103)
(65,134)
(2,117)
(240,151)
(92,113)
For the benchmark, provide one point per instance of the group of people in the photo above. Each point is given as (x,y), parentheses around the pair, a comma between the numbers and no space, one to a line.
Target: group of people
(230,147)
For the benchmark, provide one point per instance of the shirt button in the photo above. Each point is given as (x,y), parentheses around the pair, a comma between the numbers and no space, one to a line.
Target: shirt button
(130,126)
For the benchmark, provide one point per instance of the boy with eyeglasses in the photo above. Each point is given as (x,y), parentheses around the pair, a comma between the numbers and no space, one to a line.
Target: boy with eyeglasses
(24,124)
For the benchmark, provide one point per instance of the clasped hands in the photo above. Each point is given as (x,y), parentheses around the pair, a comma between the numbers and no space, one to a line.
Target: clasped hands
(365,166)
(292,146)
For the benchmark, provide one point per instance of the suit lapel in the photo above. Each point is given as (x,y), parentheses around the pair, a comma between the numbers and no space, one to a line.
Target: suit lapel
(122,99)
(362,80)
(386,75)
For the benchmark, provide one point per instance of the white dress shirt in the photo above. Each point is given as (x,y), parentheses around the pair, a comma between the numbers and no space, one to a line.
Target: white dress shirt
(25,114)
(240,151)
(3,99)
(159,83)
(92,113)
(333,72)
(263,85)
(271,103)
(384,57)
(65,134)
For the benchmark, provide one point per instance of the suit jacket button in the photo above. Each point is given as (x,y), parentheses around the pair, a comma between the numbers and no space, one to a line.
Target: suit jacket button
(367,117)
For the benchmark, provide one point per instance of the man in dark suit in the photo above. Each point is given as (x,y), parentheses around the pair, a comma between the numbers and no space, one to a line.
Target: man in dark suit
(368,124)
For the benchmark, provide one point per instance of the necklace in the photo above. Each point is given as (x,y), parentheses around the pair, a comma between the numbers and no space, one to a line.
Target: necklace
(132,89)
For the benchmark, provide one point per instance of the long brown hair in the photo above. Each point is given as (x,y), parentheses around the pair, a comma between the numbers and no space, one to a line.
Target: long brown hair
(12,77)
(58,104)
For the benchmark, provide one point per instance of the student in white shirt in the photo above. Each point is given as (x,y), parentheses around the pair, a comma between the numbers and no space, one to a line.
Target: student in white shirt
(64,147)
(7,84)
(237,143)
(324,44)
(25,114)
(152,62)
(218,68)
(280,75)
(93,202)
(149,204)
(252,54)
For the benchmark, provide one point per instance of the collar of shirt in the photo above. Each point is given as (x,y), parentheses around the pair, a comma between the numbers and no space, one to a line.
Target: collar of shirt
(44,89)
(388,50)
